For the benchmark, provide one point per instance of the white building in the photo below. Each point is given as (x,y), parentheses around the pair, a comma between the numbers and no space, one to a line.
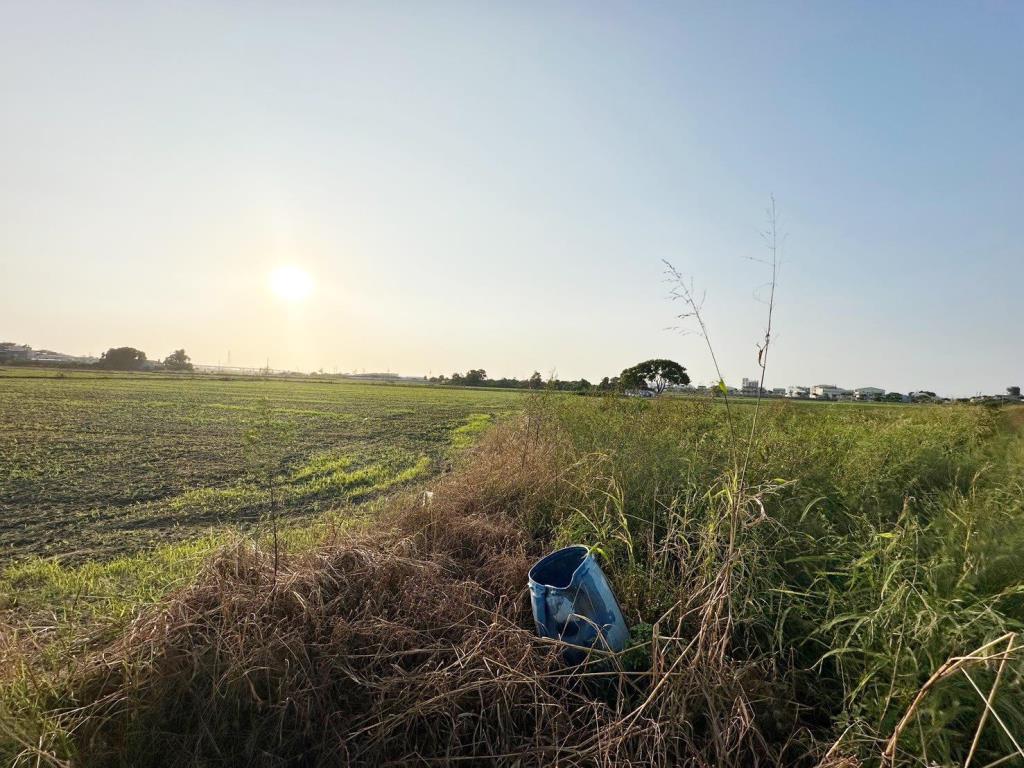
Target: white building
(750,387)
(868,393)
(798,392)
(830,392)
(639,393)
(9,351)
(49,356)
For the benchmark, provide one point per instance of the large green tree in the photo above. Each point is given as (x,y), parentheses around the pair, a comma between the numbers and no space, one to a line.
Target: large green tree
(178,361)
(655,375)
(122,359)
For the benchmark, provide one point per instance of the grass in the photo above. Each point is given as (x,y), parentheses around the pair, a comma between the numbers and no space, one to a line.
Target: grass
(100,466)
(791,618)
(882,543)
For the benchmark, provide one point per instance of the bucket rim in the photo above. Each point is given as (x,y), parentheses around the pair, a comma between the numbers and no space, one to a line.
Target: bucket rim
(552,555)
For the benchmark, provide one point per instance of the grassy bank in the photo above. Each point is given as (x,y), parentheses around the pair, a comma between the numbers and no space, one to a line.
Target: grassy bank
(872,544)
(788,598)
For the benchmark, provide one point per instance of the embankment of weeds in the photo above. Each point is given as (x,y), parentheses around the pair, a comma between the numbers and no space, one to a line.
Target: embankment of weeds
(784,620)
(872,545)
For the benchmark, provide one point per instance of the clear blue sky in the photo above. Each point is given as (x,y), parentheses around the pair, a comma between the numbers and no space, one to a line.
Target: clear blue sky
(494,185)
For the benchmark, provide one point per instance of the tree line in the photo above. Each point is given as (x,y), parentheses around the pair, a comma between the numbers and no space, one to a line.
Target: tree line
(654,376)
(132,359)
(477,377)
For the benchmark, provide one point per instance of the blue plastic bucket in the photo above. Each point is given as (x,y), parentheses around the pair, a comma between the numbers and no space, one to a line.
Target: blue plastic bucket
(573,602)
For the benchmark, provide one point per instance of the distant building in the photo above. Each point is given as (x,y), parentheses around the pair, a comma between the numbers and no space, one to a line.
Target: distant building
(751,387)
(830,392)
(49,356)
(12,353)
(798,392)
(23,353)
(996,399)
(868,393)
(779,391)
(371,376)
(639,393)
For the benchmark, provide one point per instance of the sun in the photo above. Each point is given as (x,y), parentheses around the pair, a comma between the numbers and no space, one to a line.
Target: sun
(291,283)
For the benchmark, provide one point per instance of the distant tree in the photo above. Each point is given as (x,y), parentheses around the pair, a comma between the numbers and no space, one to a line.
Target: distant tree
(475,377)
(655,375)
(122,359)
(1013,392)
(536,381)
(179,361)
(631,379)
(583,385)
(456,378)
(605,384)
(894,397)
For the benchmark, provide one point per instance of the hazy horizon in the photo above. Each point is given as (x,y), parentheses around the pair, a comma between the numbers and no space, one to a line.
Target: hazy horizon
(471,187)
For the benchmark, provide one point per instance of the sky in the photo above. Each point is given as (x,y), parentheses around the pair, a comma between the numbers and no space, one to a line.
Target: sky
(495,185)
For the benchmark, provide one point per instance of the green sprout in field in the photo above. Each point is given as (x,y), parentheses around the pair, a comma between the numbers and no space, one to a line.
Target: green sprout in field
(267,444)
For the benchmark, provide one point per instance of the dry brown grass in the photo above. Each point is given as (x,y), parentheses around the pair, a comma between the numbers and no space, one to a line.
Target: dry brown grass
(413,644)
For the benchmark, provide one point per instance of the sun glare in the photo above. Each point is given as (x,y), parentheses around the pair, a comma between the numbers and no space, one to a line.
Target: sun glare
(291,283)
